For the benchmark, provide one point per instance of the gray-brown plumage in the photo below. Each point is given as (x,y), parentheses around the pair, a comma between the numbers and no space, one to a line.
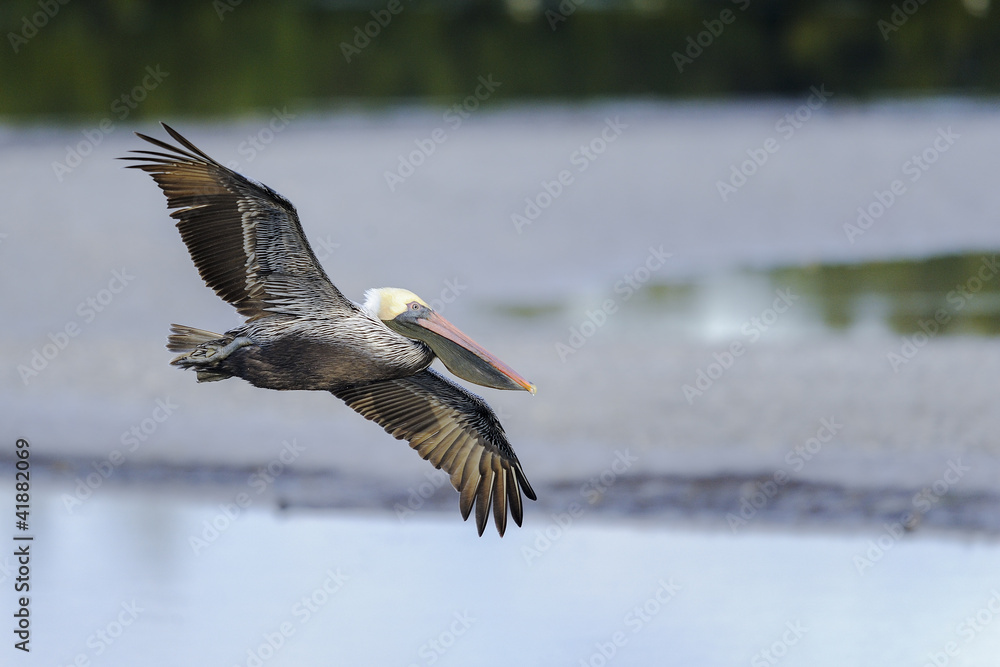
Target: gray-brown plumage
(302,333)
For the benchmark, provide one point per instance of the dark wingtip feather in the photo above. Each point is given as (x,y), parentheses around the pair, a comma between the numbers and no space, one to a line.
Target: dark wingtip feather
(484,494)
(179,138)
(175,153)
(523,481)
(514,497)
(499,498)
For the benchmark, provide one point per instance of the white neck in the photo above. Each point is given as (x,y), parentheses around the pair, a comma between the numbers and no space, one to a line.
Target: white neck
(373,303)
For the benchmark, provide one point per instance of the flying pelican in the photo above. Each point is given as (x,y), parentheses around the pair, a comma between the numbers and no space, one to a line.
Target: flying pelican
(302,333)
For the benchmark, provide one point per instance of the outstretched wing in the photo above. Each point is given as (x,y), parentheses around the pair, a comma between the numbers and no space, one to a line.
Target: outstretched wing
(454,430)
(245,238)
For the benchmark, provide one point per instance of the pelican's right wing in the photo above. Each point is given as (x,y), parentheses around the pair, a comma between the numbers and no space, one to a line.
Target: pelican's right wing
(245,238)
(454,430)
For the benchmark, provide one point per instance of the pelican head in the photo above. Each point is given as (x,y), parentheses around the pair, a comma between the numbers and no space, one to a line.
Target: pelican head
(406,313)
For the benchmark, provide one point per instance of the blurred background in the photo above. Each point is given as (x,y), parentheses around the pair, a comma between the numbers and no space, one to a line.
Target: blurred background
(746,250)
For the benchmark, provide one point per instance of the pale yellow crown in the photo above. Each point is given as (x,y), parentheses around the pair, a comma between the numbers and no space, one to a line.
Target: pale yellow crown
(386,303)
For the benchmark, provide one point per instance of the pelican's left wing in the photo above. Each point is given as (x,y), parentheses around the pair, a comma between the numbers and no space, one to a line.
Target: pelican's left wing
(245,238)
(454,430)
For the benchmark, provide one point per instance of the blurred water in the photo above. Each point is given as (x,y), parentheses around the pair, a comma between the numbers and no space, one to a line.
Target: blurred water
(119,583)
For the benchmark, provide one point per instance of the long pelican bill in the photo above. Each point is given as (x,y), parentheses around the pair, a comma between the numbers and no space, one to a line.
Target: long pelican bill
(460,354)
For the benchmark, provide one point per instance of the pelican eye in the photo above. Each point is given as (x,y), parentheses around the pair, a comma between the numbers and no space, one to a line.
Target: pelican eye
(414,305)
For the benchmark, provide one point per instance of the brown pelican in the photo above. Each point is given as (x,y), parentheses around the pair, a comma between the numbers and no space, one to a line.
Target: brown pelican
(302,333)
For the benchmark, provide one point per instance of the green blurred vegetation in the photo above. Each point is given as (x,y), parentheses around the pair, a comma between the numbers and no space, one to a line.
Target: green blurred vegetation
(951,294)
(947,294)
(224,56)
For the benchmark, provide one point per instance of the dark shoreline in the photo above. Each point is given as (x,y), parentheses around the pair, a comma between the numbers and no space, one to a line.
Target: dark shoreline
(729,501)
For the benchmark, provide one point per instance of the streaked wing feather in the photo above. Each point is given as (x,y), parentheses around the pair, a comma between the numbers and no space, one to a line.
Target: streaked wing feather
(467,493)
(499,491)
(244,238)
(516,510)
(445,440)
(455,460)
(454,430)
(484,495)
